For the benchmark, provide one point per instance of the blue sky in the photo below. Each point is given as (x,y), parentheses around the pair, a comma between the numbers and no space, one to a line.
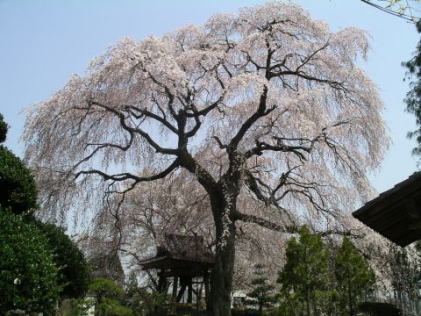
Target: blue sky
(43,42)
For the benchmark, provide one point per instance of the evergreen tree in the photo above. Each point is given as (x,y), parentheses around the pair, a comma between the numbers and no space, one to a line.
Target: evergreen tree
(28,274)
(353,275)
(74,273)
(39,264)
(17,186)
(108,298)
(413,97)
(262,291)
(305,277)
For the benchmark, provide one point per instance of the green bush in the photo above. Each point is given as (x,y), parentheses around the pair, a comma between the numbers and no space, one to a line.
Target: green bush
(28,275)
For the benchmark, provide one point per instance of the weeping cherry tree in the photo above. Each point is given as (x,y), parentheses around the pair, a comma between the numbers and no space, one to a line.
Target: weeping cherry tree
(266,106)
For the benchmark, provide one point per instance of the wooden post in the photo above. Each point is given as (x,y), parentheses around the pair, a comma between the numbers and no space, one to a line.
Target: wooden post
(190,291)
(206,281)
(162,281)
(174,288)
(199,289)
(183,284)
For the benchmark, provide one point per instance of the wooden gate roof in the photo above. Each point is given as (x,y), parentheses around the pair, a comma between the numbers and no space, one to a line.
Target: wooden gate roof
(396,213)
(180,253)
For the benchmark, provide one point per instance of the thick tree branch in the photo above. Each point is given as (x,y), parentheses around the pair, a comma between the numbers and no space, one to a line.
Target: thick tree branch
(203,176)
(292,228)
(334,84)
(262,146)
(261,111)
(129,176)
(143,134)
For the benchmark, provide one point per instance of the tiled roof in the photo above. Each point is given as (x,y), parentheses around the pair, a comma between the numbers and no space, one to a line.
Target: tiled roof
(179,251)
(396,213)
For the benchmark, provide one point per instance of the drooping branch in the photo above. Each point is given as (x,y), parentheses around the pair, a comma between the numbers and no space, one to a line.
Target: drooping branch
(288,185)
(138,113)
(292,228)
(298,72)
(129,176)
(142,133)
(303,146)
(139,260)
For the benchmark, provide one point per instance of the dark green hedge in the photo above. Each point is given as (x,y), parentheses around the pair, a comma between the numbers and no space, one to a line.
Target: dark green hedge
(17,186)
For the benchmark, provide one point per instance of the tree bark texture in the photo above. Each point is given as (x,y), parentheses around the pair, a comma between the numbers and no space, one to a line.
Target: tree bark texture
(223,206)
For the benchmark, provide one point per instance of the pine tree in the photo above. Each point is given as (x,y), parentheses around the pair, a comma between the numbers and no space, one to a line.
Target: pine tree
(108,298)
(305,277)
(262,293)
(354,277)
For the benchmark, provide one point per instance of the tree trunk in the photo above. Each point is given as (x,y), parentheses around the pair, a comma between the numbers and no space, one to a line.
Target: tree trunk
(221,278)
(222,272)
